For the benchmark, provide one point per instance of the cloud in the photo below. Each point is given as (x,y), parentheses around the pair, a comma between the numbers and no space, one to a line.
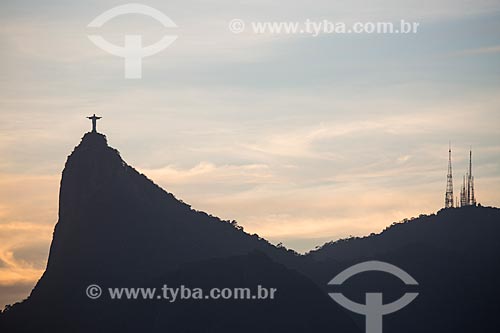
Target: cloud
(208,172)
(19,193)
(23,254)
(23,251)
(28,213)
(13,293)
(478,51)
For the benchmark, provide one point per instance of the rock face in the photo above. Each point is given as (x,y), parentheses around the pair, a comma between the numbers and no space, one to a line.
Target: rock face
(117,228)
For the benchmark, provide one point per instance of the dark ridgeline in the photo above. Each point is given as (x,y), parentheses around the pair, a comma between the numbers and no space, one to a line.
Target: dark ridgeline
(455,257)
(118,229)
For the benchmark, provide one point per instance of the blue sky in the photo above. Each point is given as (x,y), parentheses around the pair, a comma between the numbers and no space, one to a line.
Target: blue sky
(301,139)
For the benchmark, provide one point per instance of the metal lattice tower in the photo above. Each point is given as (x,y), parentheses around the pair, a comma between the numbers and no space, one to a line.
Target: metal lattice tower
(467,197)
(448,199)
(470,184)
(463,195)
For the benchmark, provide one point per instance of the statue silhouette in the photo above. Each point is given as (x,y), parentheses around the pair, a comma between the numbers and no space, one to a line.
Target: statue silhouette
(94,119)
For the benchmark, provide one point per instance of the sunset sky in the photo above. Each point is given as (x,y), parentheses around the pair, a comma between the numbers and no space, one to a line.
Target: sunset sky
(300,139)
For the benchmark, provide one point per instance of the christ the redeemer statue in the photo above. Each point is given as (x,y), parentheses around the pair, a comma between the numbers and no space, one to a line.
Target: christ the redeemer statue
(94,119)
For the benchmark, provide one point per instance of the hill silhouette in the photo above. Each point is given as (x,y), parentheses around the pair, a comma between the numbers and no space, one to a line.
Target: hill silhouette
(454,255)
(117,228)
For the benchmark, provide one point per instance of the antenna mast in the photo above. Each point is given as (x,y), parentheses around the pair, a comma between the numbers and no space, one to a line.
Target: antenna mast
(448,200)
(470,183)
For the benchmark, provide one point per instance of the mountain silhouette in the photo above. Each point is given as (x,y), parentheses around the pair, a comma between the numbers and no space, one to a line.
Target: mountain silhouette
(454,255)
(117,229)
